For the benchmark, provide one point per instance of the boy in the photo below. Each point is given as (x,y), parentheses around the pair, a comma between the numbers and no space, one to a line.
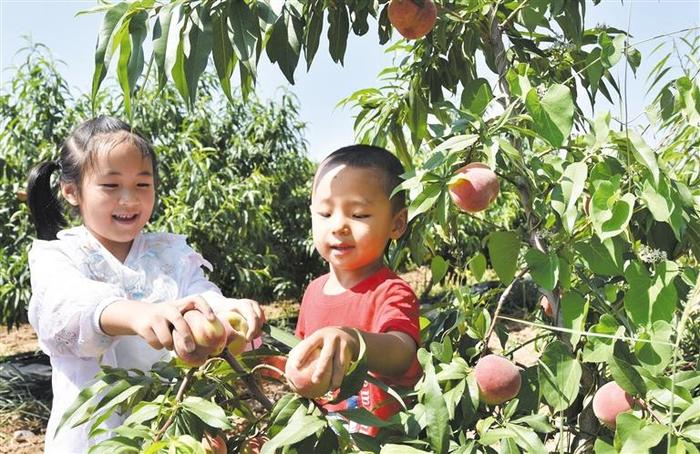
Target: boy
(353,219)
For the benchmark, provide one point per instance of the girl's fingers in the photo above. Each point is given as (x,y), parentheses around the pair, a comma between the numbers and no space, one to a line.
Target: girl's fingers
(179,324)
(163,334)
(202,306)
(152,339)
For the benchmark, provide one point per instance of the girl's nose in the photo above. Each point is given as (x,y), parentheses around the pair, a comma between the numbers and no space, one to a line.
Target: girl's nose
(128,197)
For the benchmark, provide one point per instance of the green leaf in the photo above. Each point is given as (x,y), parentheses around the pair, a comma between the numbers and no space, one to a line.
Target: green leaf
(365,417)
(634,58)
(611,49)
(594,69)
(604,257)
(391,448)
(599,349)
(504,248)
(338,29)
(567,193)
(417,117)
(222,51)
(658,199)
(200,38)
(285,43)
(103,51)
(210,413)
(644,154)
(168,17)
(623,373)
(438,268)
(314,27)
(246,33)
(651,298)
(610,212)
(425,200)
(553,115)
(287,338)
(653,350)
(543,268)
(574,310)
(560,376)
(634,435)
(477,265)
(297,430)
(438,427)
(476,96)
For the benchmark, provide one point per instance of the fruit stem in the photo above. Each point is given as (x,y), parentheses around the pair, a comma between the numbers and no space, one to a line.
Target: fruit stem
(178,398)
(267,366)
(249,380)
(499,306)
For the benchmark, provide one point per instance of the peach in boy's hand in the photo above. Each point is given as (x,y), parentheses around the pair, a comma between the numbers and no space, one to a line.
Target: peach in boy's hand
(319,363)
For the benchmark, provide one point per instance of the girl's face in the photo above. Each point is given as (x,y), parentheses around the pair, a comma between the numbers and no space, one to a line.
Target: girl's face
(353,220)
(116,197)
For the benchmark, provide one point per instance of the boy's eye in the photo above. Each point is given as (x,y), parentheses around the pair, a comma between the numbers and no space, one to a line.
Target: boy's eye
(360,216)
(323,214)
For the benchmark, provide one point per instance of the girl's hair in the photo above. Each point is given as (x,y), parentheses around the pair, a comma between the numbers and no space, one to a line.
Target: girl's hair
(78,151)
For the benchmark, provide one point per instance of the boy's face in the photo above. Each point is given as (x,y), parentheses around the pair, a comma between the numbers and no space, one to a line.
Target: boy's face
(352,219)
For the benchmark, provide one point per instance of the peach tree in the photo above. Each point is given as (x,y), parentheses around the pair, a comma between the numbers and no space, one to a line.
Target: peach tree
(598,214)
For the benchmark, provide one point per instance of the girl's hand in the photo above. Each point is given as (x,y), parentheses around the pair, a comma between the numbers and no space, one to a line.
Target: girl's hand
(251,312)
(156,322)
(338,348)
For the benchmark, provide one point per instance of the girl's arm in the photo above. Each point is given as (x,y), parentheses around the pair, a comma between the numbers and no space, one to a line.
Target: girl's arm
(155,322)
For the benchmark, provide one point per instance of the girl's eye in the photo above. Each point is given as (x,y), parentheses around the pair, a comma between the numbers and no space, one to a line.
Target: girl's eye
(144,185)
(360,216)
(108,185)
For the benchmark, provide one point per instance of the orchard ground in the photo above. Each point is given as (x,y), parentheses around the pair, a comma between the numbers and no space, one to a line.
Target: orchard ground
(23,417)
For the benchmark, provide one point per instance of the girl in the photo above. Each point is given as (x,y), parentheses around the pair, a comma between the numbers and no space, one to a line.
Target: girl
(104,293)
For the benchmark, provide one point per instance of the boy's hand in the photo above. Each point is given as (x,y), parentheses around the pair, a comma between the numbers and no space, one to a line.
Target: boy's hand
(338,346)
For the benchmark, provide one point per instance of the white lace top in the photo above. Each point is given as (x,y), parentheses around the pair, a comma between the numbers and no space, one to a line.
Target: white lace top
(73,279)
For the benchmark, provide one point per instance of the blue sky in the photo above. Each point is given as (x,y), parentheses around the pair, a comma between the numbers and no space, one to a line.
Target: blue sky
(71,39)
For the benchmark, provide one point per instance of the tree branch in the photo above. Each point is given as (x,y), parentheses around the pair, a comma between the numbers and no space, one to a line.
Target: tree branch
(249,380)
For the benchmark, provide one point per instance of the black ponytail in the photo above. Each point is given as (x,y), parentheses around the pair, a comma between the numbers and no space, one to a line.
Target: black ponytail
(43,201)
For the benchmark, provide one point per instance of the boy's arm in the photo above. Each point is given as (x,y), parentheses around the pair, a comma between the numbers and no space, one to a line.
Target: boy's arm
(388,354)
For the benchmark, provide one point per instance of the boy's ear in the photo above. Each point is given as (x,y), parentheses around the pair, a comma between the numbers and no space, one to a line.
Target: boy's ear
(399,224)
(69,191)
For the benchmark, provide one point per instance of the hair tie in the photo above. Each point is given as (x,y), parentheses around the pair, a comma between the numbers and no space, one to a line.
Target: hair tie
(57,162)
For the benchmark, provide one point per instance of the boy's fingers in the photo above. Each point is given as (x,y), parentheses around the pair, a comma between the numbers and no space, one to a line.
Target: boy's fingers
(325,362)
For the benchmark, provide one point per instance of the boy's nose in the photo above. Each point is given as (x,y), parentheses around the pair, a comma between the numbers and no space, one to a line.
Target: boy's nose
(341,227)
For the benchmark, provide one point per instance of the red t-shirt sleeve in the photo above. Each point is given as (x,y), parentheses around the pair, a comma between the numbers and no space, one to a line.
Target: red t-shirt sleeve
(399,311)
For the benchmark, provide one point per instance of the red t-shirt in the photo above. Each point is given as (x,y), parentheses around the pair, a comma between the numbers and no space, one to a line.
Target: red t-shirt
(381,303)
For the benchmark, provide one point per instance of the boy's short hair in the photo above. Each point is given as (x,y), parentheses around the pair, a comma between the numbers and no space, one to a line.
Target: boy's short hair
(369,157)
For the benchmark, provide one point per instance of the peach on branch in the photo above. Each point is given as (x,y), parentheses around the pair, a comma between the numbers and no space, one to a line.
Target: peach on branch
(412,18)
(498,379)
(236,328)
(208,334)
(546,306)
(254,445)
(474,187)
(214,444)
(609,401)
